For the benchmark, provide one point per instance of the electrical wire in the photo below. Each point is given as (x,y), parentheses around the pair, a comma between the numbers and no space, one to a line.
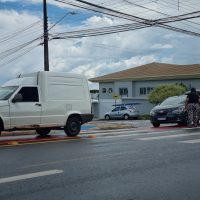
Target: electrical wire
(153,10)
(108,11)
(99,31)
(10,36)
(65,15)
(6,53)
(24,52)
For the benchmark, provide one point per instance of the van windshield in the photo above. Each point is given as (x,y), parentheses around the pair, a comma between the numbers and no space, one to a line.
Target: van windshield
(6,92)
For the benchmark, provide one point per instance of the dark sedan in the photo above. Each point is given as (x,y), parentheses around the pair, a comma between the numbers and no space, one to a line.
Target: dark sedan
(171,110)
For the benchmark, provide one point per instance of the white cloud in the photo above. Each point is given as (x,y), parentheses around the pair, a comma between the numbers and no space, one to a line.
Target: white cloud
(100,21)
(94,56)
(12,20)
(161,46)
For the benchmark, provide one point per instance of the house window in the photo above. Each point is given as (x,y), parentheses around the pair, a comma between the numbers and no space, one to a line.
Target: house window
(142,91)
(103,90)
(110,90)
(123,91)
(145,90)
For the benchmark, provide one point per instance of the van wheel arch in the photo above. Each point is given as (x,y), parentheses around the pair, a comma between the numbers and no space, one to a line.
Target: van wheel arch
(76,116)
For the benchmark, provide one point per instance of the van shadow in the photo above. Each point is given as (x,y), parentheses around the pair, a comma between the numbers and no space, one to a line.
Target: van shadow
(43,136)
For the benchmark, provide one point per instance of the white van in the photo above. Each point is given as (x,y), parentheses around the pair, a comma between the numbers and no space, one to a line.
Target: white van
(45,101)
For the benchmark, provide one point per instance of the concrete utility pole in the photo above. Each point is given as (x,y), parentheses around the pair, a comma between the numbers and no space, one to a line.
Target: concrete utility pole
(46,48)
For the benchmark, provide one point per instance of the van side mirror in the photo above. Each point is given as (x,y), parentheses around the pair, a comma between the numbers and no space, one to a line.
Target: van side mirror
(17,98)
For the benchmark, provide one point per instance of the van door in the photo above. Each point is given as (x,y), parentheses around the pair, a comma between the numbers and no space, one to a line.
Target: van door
(26,112)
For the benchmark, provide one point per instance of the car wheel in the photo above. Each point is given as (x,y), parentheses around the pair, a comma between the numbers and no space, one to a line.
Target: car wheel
(43,131)
(73,127)
(156,124)
(107,117)
(126,116)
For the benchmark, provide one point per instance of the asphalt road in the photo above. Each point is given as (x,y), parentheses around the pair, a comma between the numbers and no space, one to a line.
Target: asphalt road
(128,165)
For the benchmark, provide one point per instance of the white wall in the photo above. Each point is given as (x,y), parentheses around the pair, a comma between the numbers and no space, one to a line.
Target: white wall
(105,105)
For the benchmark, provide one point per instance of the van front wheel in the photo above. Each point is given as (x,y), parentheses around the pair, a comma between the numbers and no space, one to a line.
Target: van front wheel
(72,127)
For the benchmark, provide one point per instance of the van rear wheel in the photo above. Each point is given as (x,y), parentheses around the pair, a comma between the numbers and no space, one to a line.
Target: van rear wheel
(73,127)
(43,131)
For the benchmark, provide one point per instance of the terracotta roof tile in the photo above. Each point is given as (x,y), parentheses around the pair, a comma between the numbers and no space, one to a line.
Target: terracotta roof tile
(153,71)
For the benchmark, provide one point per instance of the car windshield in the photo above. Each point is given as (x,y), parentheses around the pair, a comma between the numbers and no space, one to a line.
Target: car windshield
(116,109)
(176,100)
(6,92)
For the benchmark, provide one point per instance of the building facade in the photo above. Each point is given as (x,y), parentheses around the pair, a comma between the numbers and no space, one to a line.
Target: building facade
(135,84)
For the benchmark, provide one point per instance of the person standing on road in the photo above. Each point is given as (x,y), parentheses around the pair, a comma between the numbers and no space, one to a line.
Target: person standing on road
(192,107)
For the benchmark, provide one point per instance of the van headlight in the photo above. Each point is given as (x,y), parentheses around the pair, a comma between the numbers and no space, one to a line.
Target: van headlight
(179,110)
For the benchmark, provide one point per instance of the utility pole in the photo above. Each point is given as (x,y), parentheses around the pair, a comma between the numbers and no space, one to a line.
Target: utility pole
(46,48)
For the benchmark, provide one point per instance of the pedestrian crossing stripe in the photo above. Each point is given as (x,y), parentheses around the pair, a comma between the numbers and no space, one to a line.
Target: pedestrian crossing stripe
(191,141)
(168,136)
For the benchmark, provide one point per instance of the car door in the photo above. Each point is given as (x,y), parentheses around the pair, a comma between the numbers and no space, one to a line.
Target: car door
(27,111)
(123,111)
(115,112)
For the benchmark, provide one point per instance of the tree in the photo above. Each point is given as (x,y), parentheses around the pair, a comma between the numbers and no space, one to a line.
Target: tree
(161,92)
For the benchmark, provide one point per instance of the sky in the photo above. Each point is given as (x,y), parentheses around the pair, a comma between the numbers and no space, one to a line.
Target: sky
(21,42)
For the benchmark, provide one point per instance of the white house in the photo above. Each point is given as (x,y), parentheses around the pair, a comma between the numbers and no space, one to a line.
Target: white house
(133,85)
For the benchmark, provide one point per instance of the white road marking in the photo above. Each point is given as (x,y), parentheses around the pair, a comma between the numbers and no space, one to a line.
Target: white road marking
(132,133)
(168,136)
(29,176)
(191,141)
(116,132)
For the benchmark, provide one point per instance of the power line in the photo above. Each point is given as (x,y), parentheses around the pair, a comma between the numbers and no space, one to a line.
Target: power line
(65,15)
(114,29)
(17,33)
(130,2)
(101,9)
(99,31)
(108,11)
(16,49)
(24,52)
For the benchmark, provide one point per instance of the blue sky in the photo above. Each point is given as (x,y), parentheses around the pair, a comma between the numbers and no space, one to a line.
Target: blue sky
(54,12)
(93,56)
